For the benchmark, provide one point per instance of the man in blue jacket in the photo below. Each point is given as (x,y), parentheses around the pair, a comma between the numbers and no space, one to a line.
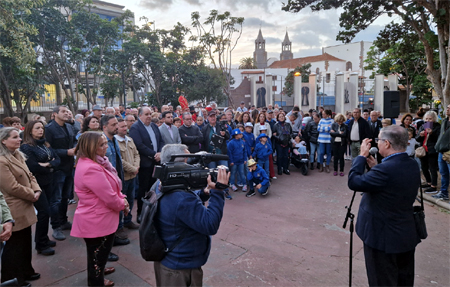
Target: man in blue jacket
(182,214)
(257,179)
(385,218)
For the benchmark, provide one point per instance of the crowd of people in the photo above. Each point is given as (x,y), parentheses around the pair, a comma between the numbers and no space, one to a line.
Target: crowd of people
(106,157)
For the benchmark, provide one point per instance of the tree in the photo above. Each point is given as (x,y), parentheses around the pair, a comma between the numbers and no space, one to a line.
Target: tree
(398,50)
(304,71)
(218,36)
(430,20)
(19,75)
(247,63)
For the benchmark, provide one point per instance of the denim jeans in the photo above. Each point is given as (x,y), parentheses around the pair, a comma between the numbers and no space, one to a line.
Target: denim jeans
(215,164)
(313,149)
(256,182)
(239,168)
(63,184)
(324,148)
(444,170)
(128,190)
(265,165)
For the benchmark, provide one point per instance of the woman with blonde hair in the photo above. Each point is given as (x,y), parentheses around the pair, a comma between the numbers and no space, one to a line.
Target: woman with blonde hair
(100,202)
(338,134)
(20,190)
(427,136)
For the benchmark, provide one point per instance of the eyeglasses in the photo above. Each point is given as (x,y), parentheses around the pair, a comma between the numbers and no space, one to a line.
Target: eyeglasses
(377,140)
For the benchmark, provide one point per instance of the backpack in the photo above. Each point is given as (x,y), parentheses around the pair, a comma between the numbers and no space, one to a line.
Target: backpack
(151,245)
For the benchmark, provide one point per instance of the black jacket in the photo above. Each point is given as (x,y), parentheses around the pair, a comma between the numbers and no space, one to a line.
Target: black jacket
(311,132)
(280,137)
(337,129)
(38,154)
(61,141)
(206,138)
(363,127)
(385,218)
(144,144)
(432,138)
(192,137)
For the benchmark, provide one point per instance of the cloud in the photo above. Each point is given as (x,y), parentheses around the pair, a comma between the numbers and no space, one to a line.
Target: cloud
(272,40)
(238,4)
(193,2)
(156,4)
(256,22)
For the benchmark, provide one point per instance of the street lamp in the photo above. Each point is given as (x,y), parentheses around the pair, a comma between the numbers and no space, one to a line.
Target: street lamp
(297,86)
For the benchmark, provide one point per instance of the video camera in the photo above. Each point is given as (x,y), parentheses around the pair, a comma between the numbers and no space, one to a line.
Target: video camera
(180,175)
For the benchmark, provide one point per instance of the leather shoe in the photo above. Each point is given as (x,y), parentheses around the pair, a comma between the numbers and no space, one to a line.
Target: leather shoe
(120,233)
(131,225)
(46,251)
(109,270)
(108,282)
(33,277)
(112,257)
(286,171)
(121,241)
(58,235)
(51,243)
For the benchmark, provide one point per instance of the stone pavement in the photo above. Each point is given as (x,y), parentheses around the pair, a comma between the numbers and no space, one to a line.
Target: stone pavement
(291,237)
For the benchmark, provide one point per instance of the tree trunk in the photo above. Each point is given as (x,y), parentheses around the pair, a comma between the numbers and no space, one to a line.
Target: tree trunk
(6,96)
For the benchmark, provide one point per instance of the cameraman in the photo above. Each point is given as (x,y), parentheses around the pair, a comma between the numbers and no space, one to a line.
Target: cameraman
(208,131)
(182,214)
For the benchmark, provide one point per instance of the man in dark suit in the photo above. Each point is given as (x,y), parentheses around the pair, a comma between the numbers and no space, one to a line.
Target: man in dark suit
(148,141)
(385,218)
(61,137)
(358,129)
(375,127)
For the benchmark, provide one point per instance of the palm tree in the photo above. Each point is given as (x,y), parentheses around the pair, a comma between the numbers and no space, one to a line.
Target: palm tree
(247,63)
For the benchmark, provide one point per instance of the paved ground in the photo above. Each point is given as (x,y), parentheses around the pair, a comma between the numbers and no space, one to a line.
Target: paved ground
(291,237)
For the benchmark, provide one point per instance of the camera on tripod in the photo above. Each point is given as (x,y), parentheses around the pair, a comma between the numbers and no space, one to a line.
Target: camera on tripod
(180,175)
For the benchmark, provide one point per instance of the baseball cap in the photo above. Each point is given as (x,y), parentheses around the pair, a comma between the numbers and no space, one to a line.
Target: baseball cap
(236,132)
(97,108)
(212,113)
(243,102)
(248,124)
(262,128)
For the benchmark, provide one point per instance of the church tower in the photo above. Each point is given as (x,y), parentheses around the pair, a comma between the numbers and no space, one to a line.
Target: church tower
(286,49)
(260,54)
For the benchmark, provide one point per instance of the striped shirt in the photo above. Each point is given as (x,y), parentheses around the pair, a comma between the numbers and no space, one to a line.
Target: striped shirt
(324,128)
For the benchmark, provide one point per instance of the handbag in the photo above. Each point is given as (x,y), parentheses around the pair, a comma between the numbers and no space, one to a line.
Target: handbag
(420,151)
(446,156)
(419,218)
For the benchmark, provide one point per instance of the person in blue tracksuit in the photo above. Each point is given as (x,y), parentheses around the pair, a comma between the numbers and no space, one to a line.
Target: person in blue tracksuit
(237,153)
(262,151)
(257,179)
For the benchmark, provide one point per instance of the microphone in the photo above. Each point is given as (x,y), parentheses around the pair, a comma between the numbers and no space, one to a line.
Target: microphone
(372,151)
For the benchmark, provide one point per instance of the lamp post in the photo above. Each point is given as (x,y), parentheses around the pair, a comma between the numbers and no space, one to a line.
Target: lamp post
(297,86)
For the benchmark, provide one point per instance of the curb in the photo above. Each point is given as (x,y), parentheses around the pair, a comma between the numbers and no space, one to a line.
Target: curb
(438,202)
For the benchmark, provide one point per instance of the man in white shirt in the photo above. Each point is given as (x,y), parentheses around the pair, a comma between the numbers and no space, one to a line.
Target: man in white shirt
(242,107)
(168,131)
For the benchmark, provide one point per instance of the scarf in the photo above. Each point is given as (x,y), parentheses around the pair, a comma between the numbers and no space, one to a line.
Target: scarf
(103,161)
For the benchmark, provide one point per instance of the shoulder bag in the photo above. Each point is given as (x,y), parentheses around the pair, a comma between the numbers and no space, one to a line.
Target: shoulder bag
(419,218)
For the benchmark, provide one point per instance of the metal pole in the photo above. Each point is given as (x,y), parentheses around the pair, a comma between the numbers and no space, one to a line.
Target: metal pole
(124,93)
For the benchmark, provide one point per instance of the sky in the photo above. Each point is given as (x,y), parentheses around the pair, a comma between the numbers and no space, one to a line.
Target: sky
(308,31)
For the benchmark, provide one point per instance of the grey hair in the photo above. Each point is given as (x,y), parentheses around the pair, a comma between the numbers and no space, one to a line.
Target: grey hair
(109,108)
(186,114)
(397,136)
(5,133)
(171,149)
(78,116)
(432,114)
(141,110)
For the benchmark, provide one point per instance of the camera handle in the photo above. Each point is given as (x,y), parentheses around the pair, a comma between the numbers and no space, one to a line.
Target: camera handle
(350,216)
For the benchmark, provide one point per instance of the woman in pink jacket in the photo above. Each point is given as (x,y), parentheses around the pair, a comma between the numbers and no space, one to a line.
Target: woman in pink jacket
(100,201)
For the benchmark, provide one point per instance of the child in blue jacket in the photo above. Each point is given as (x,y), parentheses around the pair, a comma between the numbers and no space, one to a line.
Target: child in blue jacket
(249,138)
(262,151)
(257,176)
(237,154)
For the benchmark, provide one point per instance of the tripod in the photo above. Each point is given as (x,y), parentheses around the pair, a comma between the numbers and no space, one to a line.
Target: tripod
(350,216)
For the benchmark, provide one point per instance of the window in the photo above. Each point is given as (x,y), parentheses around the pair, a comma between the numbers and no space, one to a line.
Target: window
(348,66)
(317,70)
(328,78)
(274,78)
(274,88)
